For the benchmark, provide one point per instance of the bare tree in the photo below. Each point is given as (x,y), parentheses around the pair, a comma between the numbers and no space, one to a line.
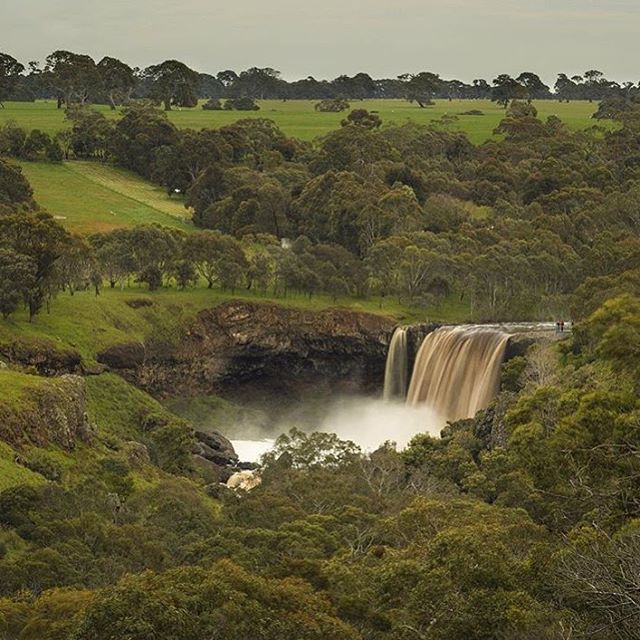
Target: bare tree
(603,579)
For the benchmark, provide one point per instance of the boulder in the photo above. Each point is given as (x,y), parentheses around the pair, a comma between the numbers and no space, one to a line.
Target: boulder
(137,453)
(244,480)
(217,443)
(210,471)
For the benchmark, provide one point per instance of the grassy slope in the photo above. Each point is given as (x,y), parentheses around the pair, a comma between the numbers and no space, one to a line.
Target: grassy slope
(299,119)
(88,197)
(88,323)
(16,390)
(113,406)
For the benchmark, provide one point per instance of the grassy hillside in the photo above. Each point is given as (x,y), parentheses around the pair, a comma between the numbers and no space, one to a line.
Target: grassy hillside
(87,197)
(88,323)
(113,407)
(299,119)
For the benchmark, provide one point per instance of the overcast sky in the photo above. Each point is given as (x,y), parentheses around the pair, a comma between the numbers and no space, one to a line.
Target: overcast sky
(463,39)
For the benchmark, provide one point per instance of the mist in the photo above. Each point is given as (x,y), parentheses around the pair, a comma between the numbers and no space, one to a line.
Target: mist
(371,422)
(368,422)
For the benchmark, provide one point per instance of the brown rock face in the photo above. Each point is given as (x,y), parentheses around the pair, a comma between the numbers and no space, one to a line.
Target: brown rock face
(262,345)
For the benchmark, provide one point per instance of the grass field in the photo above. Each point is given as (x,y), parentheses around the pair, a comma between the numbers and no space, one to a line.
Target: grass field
(87,197)
(299,119)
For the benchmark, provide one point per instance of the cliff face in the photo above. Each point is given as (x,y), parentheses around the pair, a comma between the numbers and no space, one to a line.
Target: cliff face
(243,343)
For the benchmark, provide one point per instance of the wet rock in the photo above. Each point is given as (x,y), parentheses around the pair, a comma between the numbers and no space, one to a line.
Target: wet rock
(247,466)
(519,344)
(416,334)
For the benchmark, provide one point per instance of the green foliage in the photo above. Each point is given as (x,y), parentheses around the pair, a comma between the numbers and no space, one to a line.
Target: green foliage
(171,447)
(224,600)
(15,191)
(241,104)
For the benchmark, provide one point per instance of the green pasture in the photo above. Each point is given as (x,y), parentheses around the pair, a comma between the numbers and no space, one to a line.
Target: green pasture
(298,118)
(88,197)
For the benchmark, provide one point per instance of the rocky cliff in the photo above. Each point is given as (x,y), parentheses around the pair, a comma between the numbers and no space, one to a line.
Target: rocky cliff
(49,411)
(243,343)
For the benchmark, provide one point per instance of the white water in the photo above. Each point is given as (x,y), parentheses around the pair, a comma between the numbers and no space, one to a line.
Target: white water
(252,450)
(368,422)
(372,422)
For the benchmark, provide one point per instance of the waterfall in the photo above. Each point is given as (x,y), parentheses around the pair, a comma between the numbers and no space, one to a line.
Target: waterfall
(396,370)
(457,370)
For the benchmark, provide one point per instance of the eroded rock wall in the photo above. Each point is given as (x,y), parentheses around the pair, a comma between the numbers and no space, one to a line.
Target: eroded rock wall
(244,343)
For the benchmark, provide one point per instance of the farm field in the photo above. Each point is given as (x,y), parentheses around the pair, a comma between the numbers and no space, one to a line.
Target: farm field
(89,197)
(298,118)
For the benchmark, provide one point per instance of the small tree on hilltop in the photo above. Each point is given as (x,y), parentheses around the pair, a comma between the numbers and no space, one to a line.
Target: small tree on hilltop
(421,87)
(505,89)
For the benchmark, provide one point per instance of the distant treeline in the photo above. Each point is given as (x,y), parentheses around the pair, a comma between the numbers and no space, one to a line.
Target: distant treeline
(76,78)
(521,227)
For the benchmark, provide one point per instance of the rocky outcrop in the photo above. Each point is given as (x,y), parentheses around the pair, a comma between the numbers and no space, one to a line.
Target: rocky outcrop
(215,447)
(244,480)
(214,456)
(243,343)
(54,412)
(43,356)
(519,344)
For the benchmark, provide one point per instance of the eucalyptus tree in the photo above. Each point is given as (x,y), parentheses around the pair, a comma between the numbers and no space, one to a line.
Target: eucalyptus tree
(10,74)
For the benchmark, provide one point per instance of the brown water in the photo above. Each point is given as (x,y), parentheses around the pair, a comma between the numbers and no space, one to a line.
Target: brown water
(457,370)
(397,368)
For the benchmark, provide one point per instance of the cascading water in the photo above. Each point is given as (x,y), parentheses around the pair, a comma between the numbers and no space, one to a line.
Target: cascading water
(457,370)
(397,368)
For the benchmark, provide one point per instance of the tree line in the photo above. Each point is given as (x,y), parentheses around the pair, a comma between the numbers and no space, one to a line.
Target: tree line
(513,227)
(74,78)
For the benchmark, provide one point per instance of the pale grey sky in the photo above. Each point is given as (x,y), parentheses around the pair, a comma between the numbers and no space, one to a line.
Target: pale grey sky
(462,39)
